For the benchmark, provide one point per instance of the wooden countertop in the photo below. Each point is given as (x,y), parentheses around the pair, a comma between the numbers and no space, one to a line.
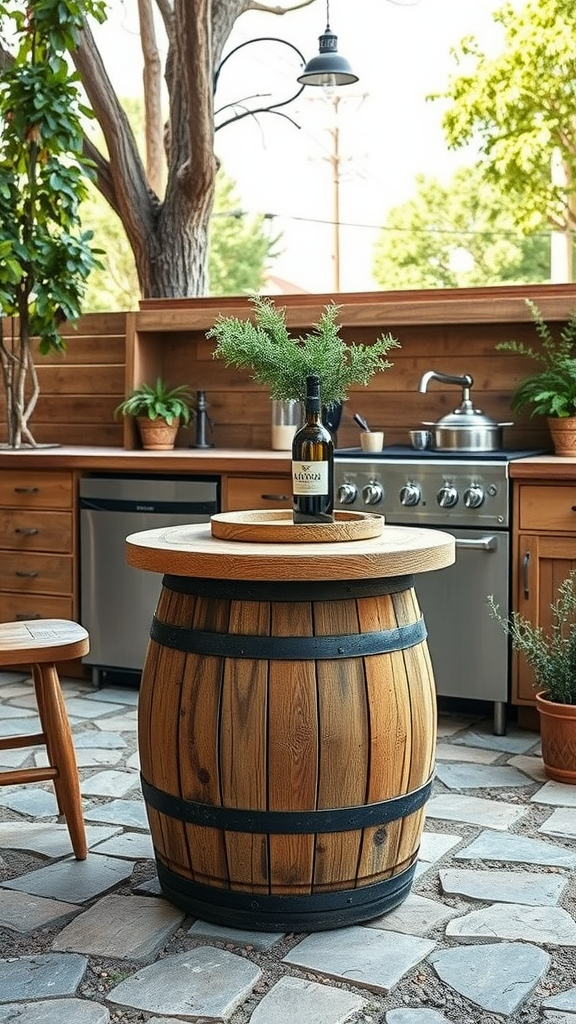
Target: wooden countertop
(544,467)
(187,460)
(193,551)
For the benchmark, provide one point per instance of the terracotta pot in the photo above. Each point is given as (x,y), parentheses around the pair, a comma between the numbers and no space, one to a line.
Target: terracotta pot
(558,735)
(563,434)
(157,435)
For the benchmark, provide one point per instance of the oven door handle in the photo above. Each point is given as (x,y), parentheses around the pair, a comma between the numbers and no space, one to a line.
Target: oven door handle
(489,543)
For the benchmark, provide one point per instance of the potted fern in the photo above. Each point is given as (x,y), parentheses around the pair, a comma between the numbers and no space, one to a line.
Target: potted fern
(552,657)
(551,391)
(281,362)
(159,411)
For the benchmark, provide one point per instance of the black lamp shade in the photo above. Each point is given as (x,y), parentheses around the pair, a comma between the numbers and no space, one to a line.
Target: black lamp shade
(328,68)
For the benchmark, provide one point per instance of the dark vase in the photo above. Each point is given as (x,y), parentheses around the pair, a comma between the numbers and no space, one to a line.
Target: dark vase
(331,416)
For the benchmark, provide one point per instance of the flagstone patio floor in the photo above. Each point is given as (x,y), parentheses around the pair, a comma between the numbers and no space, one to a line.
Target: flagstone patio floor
(487,933)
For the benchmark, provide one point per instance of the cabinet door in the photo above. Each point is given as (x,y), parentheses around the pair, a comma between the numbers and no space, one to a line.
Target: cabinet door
(543,563)
(258,492)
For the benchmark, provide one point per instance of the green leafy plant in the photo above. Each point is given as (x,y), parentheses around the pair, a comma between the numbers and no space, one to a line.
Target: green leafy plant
(157,401)
(552,656)
(552,390)
(45,256)
(282,363)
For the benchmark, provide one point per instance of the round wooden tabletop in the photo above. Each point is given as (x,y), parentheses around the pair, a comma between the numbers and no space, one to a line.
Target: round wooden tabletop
(193,551)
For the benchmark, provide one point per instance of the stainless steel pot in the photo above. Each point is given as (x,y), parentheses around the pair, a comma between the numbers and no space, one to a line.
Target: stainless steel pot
(466,429)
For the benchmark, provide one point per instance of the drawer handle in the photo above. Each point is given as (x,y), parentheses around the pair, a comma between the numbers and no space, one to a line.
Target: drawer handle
(276,497)
(525,575)
(26,531)
(26,490)
(23,616)
(26,574)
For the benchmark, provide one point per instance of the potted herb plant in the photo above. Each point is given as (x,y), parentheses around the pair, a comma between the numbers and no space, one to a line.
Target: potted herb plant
(159,412)
(281,362)
(552,657)
(551,391)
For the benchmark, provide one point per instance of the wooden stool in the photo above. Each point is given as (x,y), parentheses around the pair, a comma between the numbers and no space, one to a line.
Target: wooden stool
(40,643)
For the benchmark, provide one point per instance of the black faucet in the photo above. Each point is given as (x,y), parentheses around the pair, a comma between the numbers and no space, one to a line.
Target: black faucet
(202,418)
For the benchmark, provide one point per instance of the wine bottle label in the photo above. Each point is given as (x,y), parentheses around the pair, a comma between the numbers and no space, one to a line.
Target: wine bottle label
(310,477)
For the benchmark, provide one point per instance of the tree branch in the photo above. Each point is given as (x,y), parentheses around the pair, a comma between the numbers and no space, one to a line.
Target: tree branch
(152,81)
(252,5)
(166,8)
(136,205)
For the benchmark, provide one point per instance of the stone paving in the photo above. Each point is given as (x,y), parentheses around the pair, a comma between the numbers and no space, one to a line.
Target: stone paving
(487,934)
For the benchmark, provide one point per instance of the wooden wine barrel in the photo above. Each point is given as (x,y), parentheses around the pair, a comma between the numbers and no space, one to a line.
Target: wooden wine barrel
(287,736)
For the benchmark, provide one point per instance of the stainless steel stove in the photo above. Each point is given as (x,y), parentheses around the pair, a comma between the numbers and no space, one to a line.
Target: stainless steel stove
(468,495)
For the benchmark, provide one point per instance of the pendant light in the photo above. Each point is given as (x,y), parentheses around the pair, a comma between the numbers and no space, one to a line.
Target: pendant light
(328,69)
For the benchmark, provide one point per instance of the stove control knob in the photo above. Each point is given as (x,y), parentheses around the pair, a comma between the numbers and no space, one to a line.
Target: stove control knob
(347,493)
(474,496)
(410,494)
(447,496)
(372,493)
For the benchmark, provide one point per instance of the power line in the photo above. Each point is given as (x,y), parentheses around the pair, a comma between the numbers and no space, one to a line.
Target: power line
(237,214)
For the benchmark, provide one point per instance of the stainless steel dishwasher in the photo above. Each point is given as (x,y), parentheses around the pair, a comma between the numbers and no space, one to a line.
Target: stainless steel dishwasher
(117,602)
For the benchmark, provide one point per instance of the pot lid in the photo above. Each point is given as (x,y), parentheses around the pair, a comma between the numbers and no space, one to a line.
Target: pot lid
(466,417)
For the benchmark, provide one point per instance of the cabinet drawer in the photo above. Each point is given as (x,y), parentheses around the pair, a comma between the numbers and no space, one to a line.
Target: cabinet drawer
(15,607)
(548,508)
(32,573)
(26,488)
(258,492)
(24,530)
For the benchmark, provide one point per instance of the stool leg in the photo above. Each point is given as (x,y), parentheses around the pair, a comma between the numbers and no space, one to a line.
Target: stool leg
(39,688)
(60,747)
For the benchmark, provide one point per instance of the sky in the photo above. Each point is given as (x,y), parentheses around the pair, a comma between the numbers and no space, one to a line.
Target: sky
(385,129)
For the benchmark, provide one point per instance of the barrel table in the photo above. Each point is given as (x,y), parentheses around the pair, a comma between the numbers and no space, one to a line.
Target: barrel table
(287,723)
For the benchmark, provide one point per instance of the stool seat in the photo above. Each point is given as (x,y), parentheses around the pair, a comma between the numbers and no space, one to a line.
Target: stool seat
(40,643)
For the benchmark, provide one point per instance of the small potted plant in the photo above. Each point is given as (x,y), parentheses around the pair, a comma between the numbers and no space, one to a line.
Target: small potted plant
(281,362)
(552,657)
(551,391)
(159,412)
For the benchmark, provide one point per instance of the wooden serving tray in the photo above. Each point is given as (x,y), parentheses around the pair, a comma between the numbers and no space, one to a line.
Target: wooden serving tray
(275,526)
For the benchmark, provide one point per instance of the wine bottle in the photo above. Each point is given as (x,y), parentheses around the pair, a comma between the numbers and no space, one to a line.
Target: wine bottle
(313,463)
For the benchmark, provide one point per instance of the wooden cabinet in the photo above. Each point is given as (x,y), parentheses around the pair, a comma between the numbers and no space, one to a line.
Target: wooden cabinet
(545,530)
(245,492)
(37,544)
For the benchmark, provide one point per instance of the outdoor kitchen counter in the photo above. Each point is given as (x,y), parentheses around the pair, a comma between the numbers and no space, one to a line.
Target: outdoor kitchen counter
(544,467)
(180,460)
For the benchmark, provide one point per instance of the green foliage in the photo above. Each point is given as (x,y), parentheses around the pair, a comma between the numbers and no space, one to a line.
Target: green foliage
(157,401)
(45,256)
(458,235)
(240,248)
(518,109)
(552,656)
(282,363)
(552,390)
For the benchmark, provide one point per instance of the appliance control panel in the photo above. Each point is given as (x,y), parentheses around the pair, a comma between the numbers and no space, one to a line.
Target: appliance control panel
(438,493)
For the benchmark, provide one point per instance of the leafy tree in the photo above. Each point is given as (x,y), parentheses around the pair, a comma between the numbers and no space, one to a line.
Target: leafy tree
(45,257)
(241,247)
(519,107)
(240,250)
(167,230)
(462,234)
